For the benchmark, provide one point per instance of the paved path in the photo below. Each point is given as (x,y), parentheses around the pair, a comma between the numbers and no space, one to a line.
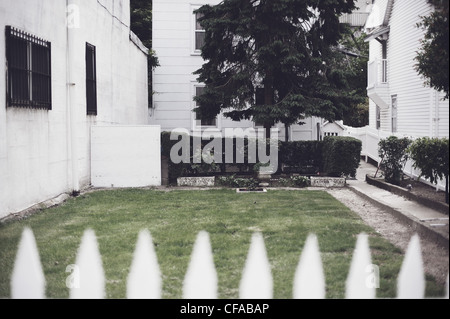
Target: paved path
(425,220)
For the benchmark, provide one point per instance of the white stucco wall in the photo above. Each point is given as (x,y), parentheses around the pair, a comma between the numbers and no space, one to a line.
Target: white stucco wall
(173,81)
(36,145)
(125,156)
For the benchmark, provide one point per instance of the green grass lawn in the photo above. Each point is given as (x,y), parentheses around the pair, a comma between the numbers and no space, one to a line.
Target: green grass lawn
(174,219)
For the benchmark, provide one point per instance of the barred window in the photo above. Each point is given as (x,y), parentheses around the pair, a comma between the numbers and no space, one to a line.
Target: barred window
(91,80)
(28,70)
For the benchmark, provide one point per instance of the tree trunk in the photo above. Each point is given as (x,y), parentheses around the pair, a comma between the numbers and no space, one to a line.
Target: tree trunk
(268,99)
(286,133)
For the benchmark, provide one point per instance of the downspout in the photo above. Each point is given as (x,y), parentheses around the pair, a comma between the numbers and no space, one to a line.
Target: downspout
(72,8)
(431,112)
(436,113)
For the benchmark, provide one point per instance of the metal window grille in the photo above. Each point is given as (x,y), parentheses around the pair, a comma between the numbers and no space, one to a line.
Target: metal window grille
(91,80)
(28,70)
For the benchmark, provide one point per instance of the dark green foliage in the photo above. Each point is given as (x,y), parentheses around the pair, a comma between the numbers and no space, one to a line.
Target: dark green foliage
(302,154)
(357,115)
(393,152)
(239,182)
(433,55)
(341,156)
(141,25)
(335,156)
(279,50)
(216,167)
(431,157)
(295,181)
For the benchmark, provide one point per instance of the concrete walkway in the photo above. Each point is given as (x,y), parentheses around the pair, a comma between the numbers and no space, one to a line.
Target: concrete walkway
(426,221)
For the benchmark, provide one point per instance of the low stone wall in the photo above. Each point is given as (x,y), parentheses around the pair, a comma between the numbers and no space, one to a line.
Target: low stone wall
(327,181)
(196,181)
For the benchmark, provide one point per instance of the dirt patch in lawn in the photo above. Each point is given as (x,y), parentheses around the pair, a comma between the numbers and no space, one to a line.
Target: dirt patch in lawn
(436,258)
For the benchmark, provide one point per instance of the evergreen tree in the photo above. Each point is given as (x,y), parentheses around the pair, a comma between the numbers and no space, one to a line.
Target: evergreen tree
(353,62)
(273,61)
(433,56)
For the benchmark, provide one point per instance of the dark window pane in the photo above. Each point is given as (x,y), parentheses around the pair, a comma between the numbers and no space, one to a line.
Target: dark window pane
(199,40)
(197,23)
(91,77)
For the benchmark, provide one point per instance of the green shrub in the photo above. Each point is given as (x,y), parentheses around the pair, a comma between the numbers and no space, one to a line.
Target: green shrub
(175,170)
(304,155)
(341,155)
(431,157)
(393,153)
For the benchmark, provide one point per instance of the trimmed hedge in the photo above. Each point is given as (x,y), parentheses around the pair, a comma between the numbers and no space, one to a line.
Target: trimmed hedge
(301,156)
(341,155)
(335,156)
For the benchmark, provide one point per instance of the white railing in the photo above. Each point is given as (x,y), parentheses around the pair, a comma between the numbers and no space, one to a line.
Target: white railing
(87,279)
(377,72)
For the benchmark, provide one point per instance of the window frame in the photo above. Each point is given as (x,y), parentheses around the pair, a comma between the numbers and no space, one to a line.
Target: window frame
(377,117)
(394,113)
(196,122)
(194,31)
(35,81)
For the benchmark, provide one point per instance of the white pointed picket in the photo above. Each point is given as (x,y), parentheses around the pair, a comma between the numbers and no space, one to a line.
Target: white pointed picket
(27,280)
(357,285)
(201,278)
(144,279)
(89,269)
(411,280)
(447,294)
(309,280)
(256,282)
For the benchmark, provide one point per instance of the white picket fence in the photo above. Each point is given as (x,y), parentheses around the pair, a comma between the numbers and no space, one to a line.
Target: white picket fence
(87,280)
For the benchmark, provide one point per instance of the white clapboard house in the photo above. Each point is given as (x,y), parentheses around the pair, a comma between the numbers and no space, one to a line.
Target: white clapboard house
(177,39)
(66,66)
(400,103)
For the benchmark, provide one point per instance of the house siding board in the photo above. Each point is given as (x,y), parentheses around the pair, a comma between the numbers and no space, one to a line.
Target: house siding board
(414,109)
(173,80)
(416,103)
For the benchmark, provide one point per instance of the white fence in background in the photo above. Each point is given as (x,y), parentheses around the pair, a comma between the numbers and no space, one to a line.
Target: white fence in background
(87,279)
(370,138)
